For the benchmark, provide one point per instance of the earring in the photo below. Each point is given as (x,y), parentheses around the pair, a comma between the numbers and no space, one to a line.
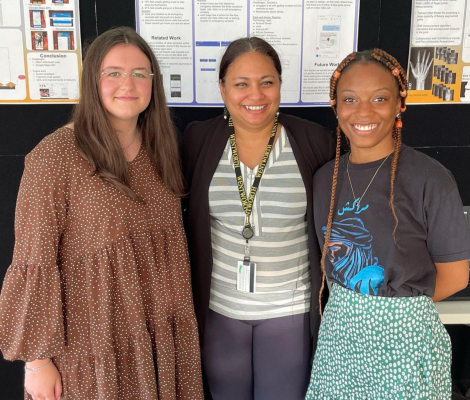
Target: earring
(398,123)
(277,113)
(226,113)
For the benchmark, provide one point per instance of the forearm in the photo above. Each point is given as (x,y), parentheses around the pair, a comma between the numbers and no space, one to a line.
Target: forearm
(42,380)
(450,278)
(37,363)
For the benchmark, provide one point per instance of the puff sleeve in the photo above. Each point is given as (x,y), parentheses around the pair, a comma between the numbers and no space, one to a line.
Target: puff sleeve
(31,309)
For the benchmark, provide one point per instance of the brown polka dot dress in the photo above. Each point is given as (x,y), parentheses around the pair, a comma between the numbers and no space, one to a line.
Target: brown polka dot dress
(100,282)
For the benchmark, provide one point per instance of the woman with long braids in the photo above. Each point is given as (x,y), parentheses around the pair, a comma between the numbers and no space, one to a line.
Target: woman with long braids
(395,240)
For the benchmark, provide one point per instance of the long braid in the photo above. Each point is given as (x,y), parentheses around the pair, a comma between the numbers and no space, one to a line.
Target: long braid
(393,173)
(389,62)
(397,71)
(333,83)
(330,214)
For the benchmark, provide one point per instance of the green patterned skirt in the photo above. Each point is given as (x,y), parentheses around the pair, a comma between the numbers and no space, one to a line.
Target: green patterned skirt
(378,348)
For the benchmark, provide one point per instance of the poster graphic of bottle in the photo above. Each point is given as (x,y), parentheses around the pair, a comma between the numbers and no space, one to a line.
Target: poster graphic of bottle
(5,70)
(328,36)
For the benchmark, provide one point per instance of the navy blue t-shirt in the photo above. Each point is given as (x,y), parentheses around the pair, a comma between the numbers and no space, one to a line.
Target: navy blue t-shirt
(362,254)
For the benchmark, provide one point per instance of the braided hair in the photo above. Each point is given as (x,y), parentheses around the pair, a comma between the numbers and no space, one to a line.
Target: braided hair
(390,63)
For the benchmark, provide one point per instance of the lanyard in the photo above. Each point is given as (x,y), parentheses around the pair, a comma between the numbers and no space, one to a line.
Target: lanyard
(247,202)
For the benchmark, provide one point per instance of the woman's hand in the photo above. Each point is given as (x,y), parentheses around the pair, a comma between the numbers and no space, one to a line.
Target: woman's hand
(45,383)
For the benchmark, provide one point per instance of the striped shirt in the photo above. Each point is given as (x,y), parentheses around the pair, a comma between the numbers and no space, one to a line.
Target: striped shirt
(280,243)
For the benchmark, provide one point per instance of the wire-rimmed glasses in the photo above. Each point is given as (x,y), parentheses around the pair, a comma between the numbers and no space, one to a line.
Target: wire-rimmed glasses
(117,75)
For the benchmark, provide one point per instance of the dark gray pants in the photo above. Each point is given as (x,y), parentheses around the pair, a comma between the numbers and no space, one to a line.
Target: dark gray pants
(257,360)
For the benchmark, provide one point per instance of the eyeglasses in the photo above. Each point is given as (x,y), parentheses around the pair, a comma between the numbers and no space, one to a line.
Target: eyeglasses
(118,75)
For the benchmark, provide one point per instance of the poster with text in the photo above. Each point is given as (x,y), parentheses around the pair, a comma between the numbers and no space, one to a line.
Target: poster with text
(40,55)
(439,61)
(189,38)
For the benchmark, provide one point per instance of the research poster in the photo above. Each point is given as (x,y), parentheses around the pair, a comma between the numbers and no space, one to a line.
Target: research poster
(439,60)
(189,38)
(40,55)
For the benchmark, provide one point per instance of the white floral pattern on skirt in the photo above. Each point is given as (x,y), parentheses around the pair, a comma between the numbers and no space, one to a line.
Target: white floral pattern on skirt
(380,348)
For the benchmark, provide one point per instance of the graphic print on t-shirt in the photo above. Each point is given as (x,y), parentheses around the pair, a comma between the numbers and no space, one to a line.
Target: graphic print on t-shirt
(350,252)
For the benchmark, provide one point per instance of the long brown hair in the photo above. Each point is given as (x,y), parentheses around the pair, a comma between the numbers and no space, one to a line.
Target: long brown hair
(97,139)
(391,64)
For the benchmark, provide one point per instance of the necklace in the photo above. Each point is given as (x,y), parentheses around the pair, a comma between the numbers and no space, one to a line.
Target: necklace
(370,182)
(131,143)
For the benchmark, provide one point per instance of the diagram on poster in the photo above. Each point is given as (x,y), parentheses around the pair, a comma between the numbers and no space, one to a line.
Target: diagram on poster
(189,37)
(12,69)
(40,58)
(439,52)
(328,39)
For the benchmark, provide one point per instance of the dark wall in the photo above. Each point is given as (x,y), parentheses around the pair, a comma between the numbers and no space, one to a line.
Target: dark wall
(440,131)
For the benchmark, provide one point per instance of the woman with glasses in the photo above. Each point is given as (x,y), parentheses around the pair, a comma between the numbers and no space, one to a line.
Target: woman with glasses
(97,300)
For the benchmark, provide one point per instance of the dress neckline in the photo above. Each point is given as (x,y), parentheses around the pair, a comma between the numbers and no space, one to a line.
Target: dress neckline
(138,155)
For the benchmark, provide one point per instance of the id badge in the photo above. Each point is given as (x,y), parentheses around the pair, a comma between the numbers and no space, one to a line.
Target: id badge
(246,276)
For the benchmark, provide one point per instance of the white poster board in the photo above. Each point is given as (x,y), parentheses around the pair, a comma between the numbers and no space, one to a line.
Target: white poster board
(189,38)
(439,66)
(40,55)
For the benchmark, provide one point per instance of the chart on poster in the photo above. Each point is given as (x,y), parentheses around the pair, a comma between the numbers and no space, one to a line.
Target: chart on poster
(439,61)
(40,55)
(190,36)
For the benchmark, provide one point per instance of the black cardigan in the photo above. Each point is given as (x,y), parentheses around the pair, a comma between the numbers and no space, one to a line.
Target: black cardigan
(203,145)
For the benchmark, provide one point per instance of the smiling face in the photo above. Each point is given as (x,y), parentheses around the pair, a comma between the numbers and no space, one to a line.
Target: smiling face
(367,103)
(125,99)
(252,91)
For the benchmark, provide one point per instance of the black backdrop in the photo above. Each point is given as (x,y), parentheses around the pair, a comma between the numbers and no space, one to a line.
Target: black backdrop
(441,131)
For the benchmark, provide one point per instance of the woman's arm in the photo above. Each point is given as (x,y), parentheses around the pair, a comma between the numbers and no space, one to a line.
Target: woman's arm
(42,380)
(31,307)
(451,277)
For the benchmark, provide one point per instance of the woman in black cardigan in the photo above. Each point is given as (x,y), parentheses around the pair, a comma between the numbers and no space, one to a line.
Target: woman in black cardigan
(236,253)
